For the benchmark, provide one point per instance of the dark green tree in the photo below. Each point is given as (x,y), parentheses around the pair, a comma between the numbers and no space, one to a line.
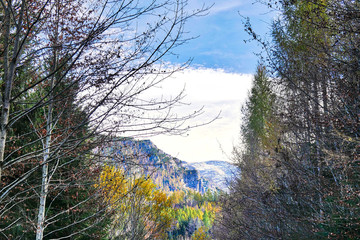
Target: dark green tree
(313,157)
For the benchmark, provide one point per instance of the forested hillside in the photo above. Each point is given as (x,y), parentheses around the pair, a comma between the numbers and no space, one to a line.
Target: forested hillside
(154,195)
(143,157)
(299,157)
(140,209)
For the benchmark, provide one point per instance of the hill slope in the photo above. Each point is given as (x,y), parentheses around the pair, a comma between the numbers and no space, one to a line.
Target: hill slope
(169,173)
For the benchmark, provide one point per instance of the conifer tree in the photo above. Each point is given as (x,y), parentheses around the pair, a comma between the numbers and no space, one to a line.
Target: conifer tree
(313,156)
(68,68)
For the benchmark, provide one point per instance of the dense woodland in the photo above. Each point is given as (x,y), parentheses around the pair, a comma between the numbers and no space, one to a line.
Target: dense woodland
(73,75)
(299,156)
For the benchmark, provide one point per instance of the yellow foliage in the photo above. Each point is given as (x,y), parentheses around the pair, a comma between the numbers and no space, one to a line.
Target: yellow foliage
(136,198)
(201,234)
(178,196)
(112,184)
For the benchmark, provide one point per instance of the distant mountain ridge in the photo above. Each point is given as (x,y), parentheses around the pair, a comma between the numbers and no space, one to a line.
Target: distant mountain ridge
(217,173)
(168,172)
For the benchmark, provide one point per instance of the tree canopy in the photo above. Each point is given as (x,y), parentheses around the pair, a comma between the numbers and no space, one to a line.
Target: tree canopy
(300,152)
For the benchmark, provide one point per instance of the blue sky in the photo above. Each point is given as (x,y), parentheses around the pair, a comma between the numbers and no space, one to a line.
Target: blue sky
(221,35)
(218,79)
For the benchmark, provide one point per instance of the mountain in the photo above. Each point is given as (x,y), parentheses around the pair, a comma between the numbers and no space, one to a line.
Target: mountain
(168,172)
(217,173)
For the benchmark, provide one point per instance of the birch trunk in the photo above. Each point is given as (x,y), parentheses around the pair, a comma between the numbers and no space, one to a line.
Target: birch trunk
(45,168)
(45,180)
(9,66)
(7,88)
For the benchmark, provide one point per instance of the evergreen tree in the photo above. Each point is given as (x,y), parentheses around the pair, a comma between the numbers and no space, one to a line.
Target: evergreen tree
(67,69)
(303,184)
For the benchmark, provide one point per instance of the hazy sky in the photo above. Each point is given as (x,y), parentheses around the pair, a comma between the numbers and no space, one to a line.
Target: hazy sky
(219,77)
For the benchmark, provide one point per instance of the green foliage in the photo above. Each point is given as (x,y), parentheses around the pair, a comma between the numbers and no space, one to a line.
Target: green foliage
(195,215)
(299,161)
(260,122)
(70,186)
(63,78)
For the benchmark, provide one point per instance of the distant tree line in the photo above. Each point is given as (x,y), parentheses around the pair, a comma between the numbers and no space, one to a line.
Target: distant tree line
(300,150)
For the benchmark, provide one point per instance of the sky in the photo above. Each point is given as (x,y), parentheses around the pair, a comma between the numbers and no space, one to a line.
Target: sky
(218,79)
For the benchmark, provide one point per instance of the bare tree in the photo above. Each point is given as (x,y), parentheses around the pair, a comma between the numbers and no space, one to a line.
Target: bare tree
(73,73)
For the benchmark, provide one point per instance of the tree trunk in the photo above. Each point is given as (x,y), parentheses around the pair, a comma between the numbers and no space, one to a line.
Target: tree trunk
(45,168)
(9,66)
(6,92)
(45,180)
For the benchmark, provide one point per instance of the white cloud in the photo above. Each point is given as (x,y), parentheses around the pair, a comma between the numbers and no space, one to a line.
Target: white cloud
(217,91)
(247,7)
(207,85)
(221,6)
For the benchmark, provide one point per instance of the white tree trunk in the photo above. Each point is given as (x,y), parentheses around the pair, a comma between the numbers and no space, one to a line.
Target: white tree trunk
(9,66)
(44,190)
(45,180)
(45,170)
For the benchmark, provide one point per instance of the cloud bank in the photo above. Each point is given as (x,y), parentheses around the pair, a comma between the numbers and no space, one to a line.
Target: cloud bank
(217,91)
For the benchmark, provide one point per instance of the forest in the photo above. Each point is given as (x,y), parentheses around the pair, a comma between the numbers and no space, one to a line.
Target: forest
(75,76)
(300,147)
